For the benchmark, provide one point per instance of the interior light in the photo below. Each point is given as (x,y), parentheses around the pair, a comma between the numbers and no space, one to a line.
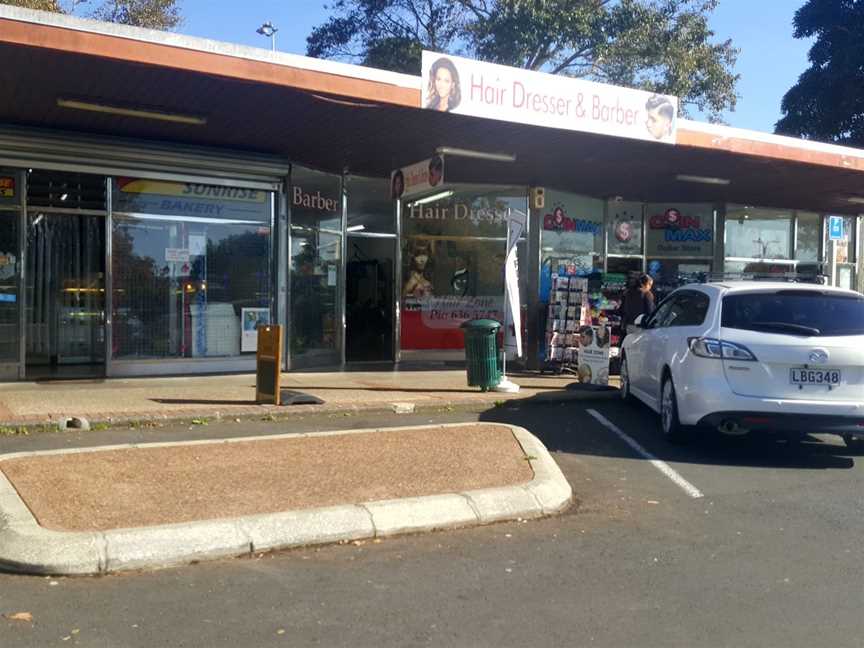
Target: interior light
(702,179)
(858,200)
(142,113)
(437,196)
(477,155)
(355,228)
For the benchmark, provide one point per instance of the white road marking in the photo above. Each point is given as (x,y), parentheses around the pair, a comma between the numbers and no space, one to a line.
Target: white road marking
(662,466)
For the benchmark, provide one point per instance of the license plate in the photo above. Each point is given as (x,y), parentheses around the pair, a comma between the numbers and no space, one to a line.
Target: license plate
(816,376)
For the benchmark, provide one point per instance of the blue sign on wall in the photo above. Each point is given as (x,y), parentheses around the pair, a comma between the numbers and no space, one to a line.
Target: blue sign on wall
(835,228)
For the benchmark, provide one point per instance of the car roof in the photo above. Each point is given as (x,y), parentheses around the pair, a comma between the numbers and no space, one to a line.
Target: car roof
(774,286)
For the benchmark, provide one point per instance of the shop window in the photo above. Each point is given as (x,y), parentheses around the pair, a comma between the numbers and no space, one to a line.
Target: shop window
(669,274)
(758,233)
(679,230)
(808,235)
(10,188)
(453,263)
(316,262)
(316,199)
(191,269)
(9,266)
(624,228)
(370,208)
(846,252)
(64,190)
(571,240)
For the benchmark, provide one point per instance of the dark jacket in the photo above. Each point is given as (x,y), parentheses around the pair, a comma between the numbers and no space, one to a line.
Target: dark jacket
(636,303)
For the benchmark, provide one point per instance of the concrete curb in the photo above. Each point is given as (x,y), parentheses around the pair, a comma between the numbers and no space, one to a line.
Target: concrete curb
(26,547)
(37,424)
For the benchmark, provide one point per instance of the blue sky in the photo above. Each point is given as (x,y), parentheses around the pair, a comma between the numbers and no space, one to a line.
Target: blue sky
(769,63)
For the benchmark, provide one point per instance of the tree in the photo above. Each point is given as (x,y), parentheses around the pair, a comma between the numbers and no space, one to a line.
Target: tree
(827,102)
(154,14)
(658,45)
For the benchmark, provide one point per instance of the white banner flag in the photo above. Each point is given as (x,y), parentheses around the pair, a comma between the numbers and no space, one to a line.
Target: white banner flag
(516,224)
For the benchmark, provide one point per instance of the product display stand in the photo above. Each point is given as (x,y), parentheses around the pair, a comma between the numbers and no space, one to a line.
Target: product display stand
(567,310)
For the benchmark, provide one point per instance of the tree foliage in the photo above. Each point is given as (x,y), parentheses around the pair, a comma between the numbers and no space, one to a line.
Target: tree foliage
(658,45)
(155,14)
(827,102)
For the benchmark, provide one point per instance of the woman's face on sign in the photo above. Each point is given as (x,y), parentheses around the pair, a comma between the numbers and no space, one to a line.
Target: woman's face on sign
(443,82)
(421,260)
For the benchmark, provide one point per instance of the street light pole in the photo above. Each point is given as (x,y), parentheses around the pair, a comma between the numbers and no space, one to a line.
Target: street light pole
(269,30)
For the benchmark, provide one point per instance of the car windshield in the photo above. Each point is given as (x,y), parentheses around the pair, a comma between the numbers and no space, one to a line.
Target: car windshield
(806,313)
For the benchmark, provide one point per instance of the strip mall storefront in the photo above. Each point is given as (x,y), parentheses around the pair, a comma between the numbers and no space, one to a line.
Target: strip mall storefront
(156,247)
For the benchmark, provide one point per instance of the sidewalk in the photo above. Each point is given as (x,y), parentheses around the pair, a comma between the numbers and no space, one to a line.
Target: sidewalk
(118,401)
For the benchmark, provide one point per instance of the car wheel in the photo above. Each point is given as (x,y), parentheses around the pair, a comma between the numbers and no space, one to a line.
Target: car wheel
(626,394)
(855,444)
(670,425)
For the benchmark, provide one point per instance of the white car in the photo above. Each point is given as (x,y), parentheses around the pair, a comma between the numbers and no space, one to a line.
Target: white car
(751,356)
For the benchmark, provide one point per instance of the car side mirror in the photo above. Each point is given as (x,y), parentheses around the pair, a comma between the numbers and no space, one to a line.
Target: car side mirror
(640,321)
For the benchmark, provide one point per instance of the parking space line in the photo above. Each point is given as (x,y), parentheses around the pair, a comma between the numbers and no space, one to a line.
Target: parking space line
(660,465)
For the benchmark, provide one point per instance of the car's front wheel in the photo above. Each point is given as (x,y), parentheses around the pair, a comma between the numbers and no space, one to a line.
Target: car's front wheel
(670,424)
(626,394)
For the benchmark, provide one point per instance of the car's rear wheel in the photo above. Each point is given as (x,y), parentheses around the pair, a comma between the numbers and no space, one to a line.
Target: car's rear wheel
(855,444)
(626,394)
(670,424)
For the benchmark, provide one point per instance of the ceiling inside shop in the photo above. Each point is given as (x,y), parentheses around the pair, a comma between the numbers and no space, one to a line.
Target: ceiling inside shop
(331,133)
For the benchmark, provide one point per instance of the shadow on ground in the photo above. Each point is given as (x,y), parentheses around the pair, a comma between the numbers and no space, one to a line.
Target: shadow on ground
(568,428)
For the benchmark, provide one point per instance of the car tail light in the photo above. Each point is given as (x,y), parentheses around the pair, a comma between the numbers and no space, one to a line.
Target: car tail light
(720,350)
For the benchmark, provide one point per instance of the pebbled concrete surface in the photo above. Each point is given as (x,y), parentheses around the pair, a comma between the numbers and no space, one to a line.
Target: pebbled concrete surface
(25,546)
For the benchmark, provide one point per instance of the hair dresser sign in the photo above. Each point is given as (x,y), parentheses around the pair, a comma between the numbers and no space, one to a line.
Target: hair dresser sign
(467,87)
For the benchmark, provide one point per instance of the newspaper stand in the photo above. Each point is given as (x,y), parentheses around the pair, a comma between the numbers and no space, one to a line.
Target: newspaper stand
(566,311)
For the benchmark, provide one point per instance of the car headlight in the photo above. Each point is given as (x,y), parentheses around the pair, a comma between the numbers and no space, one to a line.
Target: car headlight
(720,350)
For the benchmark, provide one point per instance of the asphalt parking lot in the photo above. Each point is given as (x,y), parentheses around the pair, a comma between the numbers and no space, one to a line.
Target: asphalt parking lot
(768,552)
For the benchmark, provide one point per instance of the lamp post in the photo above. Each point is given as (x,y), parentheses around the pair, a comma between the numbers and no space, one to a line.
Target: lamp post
(269,30)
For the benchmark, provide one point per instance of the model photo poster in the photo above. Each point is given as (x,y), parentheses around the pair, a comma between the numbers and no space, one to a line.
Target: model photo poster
(468,87)
(252,318)
(593,366)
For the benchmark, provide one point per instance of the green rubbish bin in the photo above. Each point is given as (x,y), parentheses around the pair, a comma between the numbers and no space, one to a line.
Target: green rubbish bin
(481,353)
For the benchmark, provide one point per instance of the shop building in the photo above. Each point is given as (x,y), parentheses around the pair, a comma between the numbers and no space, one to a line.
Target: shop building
(160,196)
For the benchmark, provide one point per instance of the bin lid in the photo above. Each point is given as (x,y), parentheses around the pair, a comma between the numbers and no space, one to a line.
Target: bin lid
(481,324)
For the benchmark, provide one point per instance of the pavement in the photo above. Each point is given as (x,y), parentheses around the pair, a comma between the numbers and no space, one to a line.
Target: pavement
(388,499)
(29,406)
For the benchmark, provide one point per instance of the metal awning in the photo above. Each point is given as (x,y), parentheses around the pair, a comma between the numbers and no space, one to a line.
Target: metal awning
(337,117)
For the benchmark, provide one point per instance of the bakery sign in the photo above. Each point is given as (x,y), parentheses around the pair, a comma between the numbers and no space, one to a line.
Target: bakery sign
(680,231)
(467,87)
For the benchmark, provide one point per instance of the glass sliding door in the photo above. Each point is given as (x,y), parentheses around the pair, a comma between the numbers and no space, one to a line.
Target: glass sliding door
(316,260)
(9,295)
(65,294)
